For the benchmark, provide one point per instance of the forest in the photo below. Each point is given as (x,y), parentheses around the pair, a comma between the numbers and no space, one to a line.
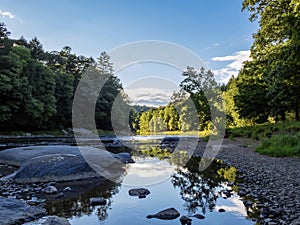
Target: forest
(37,86)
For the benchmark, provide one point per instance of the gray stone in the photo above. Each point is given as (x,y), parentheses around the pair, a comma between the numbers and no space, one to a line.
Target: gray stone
(14,211)
(54,220)
(17,156)
(140,192)
(56,167)
(50,190)
(184,220)
(97,201)
(221,210)
(199,216)
(167,214)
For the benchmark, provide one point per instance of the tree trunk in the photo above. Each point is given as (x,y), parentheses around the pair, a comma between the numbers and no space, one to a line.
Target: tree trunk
(297,112)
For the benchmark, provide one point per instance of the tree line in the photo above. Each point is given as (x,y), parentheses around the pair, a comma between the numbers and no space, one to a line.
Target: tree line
(37,87)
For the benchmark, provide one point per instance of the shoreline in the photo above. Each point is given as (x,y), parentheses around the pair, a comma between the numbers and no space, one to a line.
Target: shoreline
(272,183)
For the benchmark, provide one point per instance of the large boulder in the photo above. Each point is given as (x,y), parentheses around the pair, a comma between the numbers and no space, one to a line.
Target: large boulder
(17,156)
(56,167)
(14,211)
(63,163)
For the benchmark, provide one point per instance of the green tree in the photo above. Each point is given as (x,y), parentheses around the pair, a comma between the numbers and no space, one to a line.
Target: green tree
(277,46)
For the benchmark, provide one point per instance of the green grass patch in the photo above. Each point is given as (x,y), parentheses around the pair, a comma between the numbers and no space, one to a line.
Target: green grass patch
(280,146)
(266,130)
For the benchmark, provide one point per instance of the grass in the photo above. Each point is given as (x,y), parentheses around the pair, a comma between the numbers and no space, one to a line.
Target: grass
(262,131)
(280,139)
(280,145)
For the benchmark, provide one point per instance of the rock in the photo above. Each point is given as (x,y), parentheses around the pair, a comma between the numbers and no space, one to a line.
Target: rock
(50,190)
(184,220)
(167,214)
(18,156)
(97,201)
(67,189)
(221,210)
(140,192)
(199,216)
(57,167)
(59,195)
(296,221)
(124,157)
(54,220)
(13,211)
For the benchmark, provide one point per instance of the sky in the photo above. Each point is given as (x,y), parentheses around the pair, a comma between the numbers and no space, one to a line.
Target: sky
(217,31)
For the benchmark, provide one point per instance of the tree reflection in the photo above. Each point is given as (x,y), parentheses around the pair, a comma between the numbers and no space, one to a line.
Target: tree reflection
(79,205)
(199,189)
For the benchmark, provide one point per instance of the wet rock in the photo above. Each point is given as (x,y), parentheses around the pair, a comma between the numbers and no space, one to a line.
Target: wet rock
(54,220)
(167,214)
(57,167)
(199,216)
(140,192)
(97,201)
(184,220)
(14,211)
(67,189)
(221,210)
(59,195)
(50,190)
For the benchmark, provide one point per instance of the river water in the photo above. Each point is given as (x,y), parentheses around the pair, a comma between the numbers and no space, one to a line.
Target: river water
(174,180)
(171,184)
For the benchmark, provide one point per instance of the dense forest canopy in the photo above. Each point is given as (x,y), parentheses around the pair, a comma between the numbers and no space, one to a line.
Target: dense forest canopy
(37,87)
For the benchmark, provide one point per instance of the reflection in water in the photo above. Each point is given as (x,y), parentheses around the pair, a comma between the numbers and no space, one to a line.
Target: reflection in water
(199,189)
(80,205)
(195,192)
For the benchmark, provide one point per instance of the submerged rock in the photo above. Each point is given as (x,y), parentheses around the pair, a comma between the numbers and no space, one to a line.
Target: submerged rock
(14,211)
(54,220)
(97,201)
(184,220)
(140,192)
(199,216)
(167,214)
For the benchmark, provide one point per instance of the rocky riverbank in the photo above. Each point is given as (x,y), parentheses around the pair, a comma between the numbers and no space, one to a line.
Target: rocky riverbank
(272,185)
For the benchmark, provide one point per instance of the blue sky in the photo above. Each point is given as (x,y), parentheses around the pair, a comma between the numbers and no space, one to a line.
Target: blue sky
(216,30)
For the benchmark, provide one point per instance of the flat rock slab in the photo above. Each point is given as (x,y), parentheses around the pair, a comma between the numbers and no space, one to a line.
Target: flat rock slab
(57,167)
(14,211)
(63,163)
(17,156)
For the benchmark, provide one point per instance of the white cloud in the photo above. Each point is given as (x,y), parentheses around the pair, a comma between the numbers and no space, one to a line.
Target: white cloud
(7,14)
(149,96)
(232,68)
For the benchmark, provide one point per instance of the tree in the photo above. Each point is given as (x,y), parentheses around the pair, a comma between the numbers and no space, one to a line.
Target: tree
(201,87)
(277,46)
(4,33)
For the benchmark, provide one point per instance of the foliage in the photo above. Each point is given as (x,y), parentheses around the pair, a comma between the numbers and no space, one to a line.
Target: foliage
(281,146)
(37,87)
(271,79)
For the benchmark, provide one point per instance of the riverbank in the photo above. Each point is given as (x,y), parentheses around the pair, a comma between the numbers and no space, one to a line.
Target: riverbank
(272,183)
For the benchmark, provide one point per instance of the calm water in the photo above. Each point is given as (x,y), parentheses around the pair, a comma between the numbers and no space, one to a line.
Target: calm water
(172,183)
